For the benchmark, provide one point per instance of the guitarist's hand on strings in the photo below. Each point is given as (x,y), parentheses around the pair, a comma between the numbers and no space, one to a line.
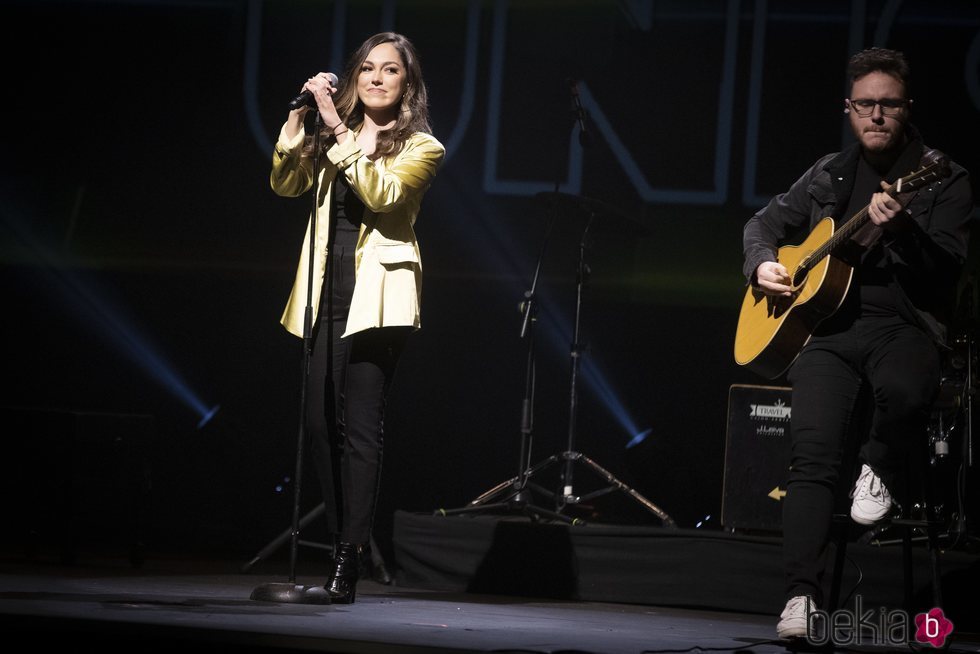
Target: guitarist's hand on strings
(773,279)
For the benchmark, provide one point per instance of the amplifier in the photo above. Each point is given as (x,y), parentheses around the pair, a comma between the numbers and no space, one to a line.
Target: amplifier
(756,457)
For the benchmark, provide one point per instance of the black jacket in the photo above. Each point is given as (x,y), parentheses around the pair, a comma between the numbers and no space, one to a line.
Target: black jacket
(926,258)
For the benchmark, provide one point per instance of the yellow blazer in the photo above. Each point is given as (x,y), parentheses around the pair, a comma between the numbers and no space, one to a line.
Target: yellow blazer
(387,262)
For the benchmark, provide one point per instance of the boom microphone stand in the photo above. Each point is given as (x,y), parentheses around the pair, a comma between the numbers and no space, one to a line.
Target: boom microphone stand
(570,456)
(290,591)
(519,500)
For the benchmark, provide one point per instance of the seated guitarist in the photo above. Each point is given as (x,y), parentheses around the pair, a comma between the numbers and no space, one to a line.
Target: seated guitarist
(889,329)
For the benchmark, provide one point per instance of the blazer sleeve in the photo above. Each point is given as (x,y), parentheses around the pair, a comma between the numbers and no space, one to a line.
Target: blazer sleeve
(292,173)
(408,175)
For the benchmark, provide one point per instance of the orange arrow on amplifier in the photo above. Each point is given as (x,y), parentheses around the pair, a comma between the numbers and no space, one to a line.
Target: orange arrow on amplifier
(777,494)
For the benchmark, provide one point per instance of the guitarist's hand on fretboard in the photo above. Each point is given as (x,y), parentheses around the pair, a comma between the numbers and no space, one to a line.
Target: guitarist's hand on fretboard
(884,213)
(884,206)
(772,278)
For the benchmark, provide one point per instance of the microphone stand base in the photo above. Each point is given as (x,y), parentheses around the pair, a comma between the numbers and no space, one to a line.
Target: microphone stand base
(287,593)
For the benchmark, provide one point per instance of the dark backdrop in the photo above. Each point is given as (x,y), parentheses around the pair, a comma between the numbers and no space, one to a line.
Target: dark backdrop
(146,260)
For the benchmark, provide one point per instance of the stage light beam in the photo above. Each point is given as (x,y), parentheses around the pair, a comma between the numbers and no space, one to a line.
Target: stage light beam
(93,309)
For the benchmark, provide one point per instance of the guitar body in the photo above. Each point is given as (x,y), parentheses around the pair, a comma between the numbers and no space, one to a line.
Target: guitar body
(773,329)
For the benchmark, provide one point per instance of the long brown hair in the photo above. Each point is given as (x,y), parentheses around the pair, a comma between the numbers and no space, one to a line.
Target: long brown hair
(413,109)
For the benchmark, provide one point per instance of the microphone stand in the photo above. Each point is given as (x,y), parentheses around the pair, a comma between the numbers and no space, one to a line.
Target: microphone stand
(521,499)
(290,591)
(569,457)
(529,318)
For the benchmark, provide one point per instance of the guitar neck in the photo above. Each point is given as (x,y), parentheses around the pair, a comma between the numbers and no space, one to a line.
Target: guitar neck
(849,229)
(936,168)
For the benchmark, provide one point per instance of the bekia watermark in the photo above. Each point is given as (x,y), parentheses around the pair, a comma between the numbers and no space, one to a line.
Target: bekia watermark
(888,627)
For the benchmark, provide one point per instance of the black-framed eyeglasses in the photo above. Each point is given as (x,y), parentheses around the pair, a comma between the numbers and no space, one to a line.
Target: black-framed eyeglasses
(864,107)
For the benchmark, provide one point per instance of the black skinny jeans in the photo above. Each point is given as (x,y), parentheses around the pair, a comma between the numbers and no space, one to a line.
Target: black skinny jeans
(902,367)
(345,409)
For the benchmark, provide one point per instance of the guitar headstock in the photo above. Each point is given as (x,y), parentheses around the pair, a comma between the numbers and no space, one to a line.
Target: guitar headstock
(935,166)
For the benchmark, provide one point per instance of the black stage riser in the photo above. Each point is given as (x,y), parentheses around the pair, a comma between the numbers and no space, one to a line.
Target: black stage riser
(648,565)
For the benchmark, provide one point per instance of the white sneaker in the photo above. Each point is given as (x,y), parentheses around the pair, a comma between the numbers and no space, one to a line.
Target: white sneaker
(871,500)
(793,619)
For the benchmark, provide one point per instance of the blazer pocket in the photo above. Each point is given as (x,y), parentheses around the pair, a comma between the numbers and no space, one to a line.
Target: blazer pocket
(395,253)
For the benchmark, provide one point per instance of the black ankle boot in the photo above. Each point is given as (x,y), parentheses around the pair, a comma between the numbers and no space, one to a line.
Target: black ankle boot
(343,580)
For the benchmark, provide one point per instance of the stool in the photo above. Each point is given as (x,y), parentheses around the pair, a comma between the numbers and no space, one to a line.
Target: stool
(908,525)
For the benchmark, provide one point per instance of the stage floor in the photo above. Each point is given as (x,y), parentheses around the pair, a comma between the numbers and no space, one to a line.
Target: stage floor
(180,605)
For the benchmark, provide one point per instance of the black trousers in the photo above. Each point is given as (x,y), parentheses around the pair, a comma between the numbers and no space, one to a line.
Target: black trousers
(901,367)
(348,384)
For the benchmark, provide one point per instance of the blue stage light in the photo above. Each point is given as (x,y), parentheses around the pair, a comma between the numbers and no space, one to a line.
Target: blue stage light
(93,309)
(639,438)
(207,416)
(593,378)
(499,247)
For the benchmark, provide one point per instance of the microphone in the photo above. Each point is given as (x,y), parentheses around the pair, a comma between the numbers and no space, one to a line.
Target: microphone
(305,99)
(583,136)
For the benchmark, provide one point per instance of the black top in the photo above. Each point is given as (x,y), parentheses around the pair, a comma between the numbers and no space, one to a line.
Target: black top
(348,210)
(874,281)
(875,290)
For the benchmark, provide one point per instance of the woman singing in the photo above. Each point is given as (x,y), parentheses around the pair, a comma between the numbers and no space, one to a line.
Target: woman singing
(377,160)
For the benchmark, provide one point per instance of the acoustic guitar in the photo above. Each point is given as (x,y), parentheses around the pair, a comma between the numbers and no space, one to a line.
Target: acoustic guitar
(772,329)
